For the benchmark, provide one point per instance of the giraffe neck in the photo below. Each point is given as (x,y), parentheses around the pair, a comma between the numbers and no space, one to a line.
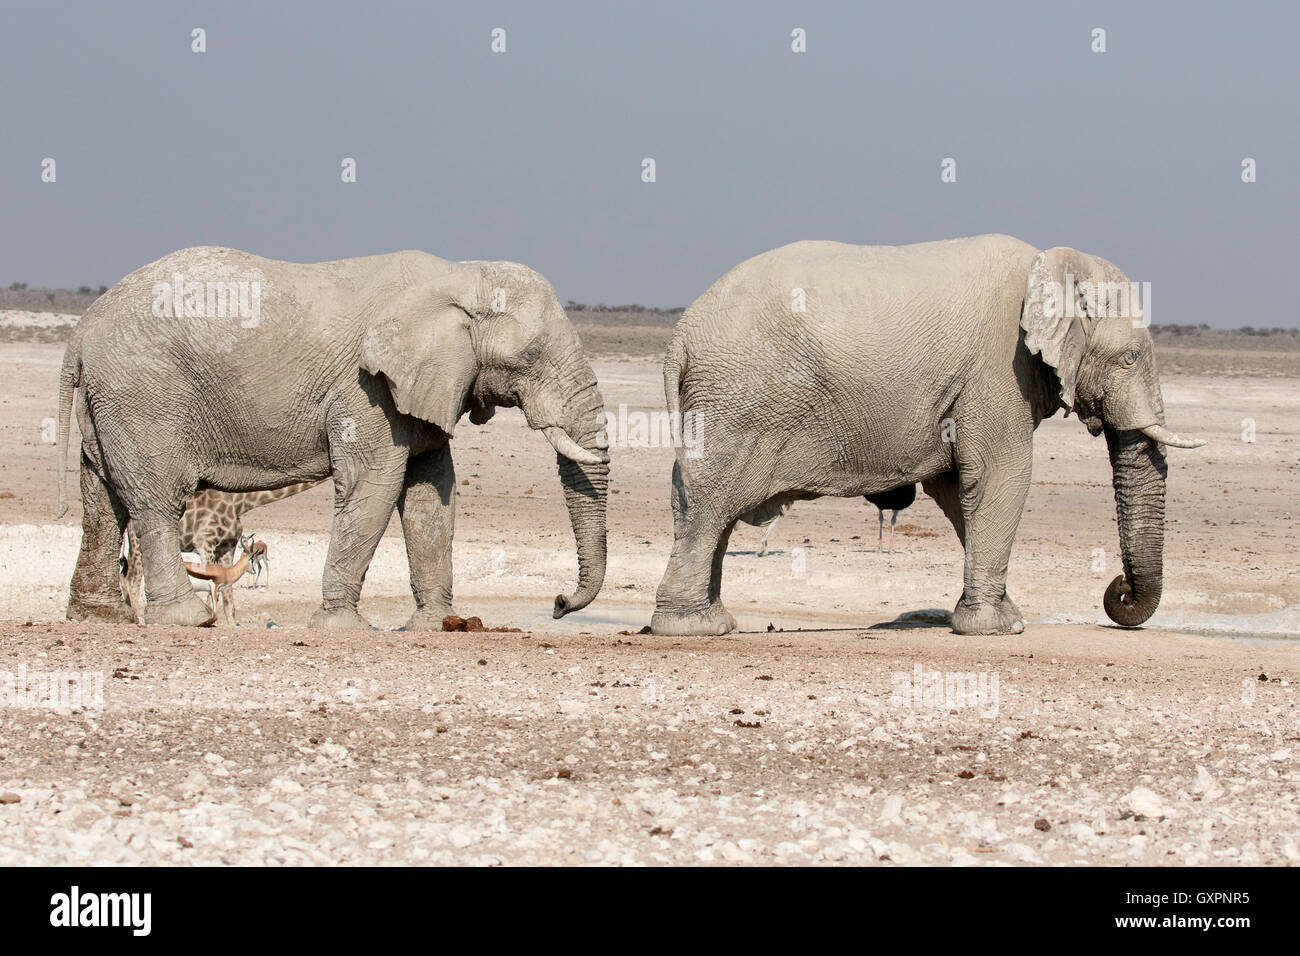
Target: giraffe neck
(246,501)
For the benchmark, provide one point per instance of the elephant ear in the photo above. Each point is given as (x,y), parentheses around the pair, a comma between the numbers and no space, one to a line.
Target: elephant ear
(422,347)
(1057,331)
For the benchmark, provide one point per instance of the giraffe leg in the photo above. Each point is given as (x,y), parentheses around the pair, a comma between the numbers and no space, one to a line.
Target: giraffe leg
(133,574)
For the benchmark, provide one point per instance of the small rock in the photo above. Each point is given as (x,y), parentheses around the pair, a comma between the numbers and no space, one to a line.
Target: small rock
(281,785)
(892,809)
(1143,802)
(1080,831)
(902,854)
(10,797)
(462,836)
(1025,854)
(1206,785)
(335,752)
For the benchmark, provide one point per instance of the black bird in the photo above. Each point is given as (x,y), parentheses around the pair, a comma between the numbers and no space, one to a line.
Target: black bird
(894,501)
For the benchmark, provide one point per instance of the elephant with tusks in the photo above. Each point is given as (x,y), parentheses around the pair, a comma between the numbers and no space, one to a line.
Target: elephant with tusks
(214,368)
(822,368)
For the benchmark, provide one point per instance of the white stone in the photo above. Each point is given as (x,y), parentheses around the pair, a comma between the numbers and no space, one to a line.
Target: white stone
(1144,802)
(892,809)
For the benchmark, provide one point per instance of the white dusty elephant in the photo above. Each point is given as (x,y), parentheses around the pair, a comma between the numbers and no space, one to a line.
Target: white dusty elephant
(829,369)
(213,368)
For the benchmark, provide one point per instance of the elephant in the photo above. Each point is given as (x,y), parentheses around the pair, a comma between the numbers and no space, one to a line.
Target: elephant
(215,368)
(822,368)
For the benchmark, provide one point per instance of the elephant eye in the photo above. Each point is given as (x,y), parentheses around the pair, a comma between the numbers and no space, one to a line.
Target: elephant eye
(1132,355)
(533,352)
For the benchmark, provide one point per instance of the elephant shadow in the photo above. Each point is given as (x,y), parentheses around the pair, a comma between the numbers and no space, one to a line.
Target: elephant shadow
(913,620)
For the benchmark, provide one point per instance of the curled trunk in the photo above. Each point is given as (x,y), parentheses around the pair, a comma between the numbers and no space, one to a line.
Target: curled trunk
(1138,472)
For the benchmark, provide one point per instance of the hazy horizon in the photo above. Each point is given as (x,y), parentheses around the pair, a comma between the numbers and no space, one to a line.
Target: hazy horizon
(535,154)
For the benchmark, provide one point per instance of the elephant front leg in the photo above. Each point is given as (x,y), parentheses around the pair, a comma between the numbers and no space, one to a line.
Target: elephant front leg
(992,500)
(428,509)
(364,498)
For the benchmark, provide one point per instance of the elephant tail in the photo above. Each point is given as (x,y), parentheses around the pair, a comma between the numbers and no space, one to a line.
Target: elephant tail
(69,380)
(675,365)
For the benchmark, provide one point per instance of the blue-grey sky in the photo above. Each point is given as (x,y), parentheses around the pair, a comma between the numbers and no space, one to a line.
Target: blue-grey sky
(536,154)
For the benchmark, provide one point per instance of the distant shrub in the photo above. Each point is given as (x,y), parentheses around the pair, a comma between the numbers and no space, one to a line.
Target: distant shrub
(635,309)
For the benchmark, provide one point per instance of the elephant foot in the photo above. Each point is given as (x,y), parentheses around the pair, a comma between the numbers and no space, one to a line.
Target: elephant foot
(1001,618)
(716,620)
(185,613)
(427,619)
(115,613)
(343,619)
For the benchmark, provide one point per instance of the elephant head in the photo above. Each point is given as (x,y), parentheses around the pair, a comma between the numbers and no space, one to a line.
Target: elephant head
(1082,316)
(493,333)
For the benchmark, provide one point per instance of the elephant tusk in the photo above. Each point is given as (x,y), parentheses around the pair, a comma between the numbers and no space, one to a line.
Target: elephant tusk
(1166,437)
(569,448)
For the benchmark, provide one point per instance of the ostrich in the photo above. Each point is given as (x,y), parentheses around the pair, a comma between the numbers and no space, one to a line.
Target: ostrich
(771,524)
(893,501)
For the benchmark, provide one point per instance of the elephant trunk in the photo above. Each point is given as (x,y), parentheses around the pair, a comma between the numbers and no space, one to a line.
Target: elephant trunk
(1138,472)
(586,491)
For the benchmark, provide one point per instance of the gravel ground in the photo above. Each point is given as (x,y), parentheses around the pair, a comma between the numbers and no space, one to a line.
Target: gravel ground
(581,741)
(293,746)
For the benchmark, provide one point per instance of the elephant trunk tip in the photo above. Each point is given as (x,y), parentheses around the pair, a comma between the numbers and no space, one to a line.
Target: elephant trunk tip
(1123,607)
(563,605)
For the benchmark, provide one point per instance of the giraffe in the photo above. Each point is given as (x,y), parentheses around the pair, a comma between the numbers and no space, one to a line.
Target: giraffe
(210,527)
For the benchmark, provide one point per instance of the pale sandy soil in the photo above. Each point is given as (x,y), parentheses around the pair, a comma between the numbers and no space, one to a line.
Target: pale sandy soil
(574,742)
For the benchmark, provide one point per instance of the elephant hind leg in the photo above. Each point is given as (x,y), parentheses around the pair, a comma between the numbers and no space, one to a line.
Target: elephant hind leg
(169,597)
(689,596)
(96,591)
